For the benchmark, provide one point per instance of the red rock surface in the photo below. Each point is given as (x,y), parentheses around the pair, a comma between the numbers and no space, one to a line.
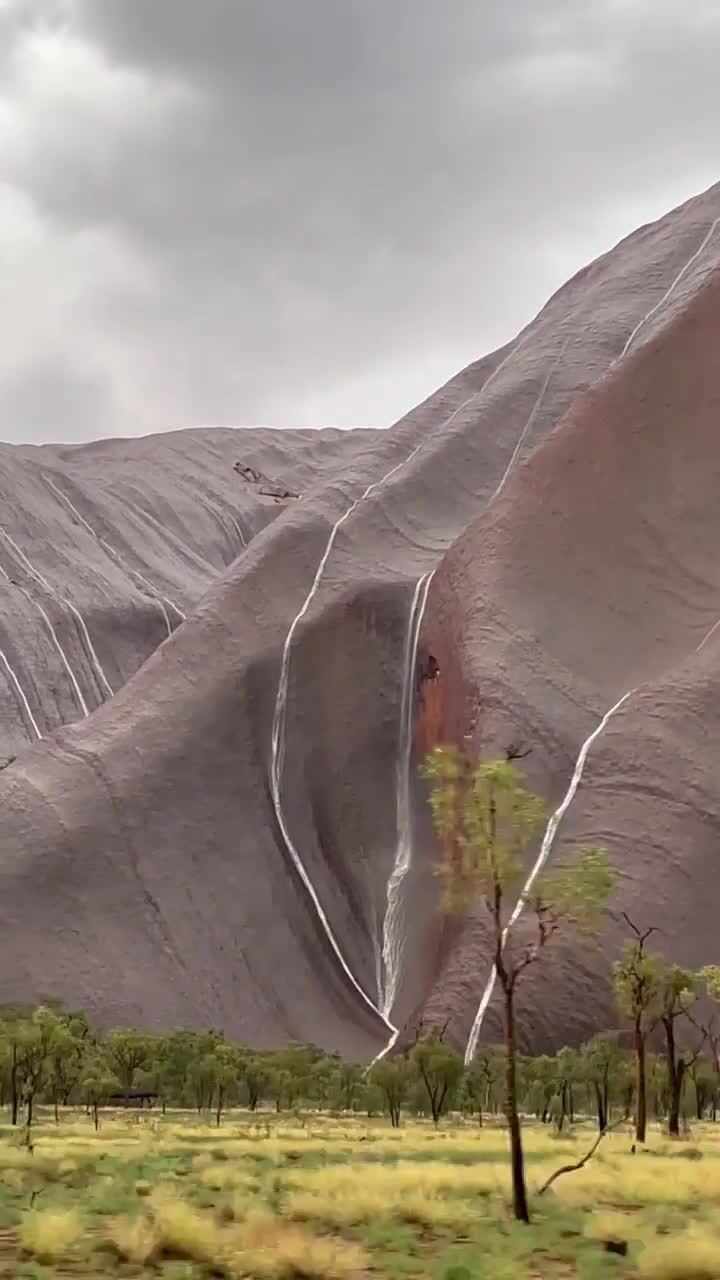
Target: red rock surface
(143,873)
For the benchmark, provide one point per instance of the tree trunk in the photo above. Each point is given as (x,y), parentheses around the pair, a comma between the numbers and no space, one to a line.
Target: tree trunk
(641,1086)
(520,1204)
(96,1116)
(29,1116)
(14,1086)
(57,1117)
(601,1113)
(675,1075)
(676,1100)
(563,1107)
(218,1111)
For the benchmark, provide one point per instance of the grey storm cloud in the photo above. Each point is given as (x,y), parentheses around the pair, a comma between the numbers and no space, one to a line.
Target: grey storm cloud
(302,212)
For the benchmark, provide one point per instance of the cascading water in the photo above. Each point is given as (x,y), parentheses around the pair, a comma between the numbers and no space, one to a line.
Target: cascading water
(159,599)
(240,533)
(543,855)
(555,820)
(279,728)
(280,714)
(37,577)
(392,932)
(669,291)
(90,647)
(15,682)
(21,695)
(77,691)
(392,925)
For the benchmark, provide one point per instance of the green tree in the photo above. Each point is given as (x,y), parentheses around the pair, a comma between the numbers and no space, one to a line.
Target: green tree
(225,1066)
(567,1073)
(393,1078)
(709,977)
(486,820)
(637,979)
(440,1070)
(66,1057)
(34,1041)
(349,1081)
(128,1052)
(676,996)
(481,1076)
(601,1058)
(542,1075)
(704,1080)
(256,1073)
(13,1027)
(173,1057)
(97,1083)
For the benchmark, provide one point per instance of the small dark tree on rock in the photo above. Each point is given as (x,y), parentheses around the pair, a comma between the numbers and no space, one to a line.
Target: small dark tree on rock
(486,820)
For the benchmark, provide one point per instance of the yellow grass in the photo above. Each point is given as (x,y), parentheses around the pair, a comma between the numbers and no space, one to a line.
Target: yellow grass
(266,1246)
(133,1239)
(262,1245)
(278,1199)
(392,1181)
(182,1231)
(48,1234)
(691,1255)
(642,1180)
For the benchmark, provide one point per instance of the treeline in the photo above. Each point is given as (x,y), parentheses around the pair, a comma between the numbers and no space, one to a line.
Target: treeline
(52,1057)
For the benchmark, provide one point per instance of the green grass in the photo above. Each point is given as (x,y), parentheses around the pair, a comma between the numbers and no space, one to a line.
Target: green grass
(344,1197)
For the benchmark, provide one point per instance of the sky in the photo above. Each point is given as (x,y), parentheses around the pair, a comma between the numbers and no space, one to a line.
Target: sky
(314,212)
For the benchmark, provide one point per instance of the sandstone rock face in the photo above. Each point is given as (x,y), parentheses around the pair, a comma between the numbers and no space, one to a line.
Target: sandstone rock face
(197,849)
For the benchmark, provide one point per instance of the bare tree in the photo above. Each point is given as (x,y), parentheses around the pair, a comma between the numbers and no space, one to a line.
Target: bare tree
(486,819)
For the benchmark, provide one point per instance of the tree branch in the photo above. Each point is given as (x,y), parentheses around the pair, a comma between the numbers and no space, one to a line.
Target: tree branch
(641,937)
(572,1168)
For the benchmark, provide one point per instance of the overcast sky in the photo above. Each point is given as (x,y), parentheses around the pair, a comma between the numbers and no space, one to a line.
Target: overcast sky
(311,212)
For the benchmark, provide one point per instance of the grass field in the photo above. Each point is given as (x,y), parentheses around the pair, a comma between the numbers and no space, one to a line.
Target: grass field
(266,1196)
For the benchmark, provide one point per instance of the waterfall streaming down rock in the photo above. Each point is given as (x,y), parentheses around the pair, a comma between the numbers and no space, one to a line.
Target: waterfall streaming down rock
(279,727)
(555,820)
(160,600)
(392,924)
(543,855)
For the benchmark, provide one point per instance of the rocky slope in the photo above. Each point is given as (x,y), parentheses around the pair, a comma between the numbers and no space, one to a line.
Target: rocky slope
(215,843)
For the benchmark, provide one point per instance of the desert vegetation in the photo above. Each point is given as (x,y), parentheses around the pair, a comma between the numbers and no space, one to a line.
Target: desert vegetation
(187,1154)
(319,1191)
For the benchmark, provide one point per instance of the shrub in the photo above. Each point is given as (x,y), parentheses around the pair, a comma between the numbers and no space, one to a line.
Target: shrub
(133,1240)
(690,1255)
(184,1232)
(266,1247)
(48,1234)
